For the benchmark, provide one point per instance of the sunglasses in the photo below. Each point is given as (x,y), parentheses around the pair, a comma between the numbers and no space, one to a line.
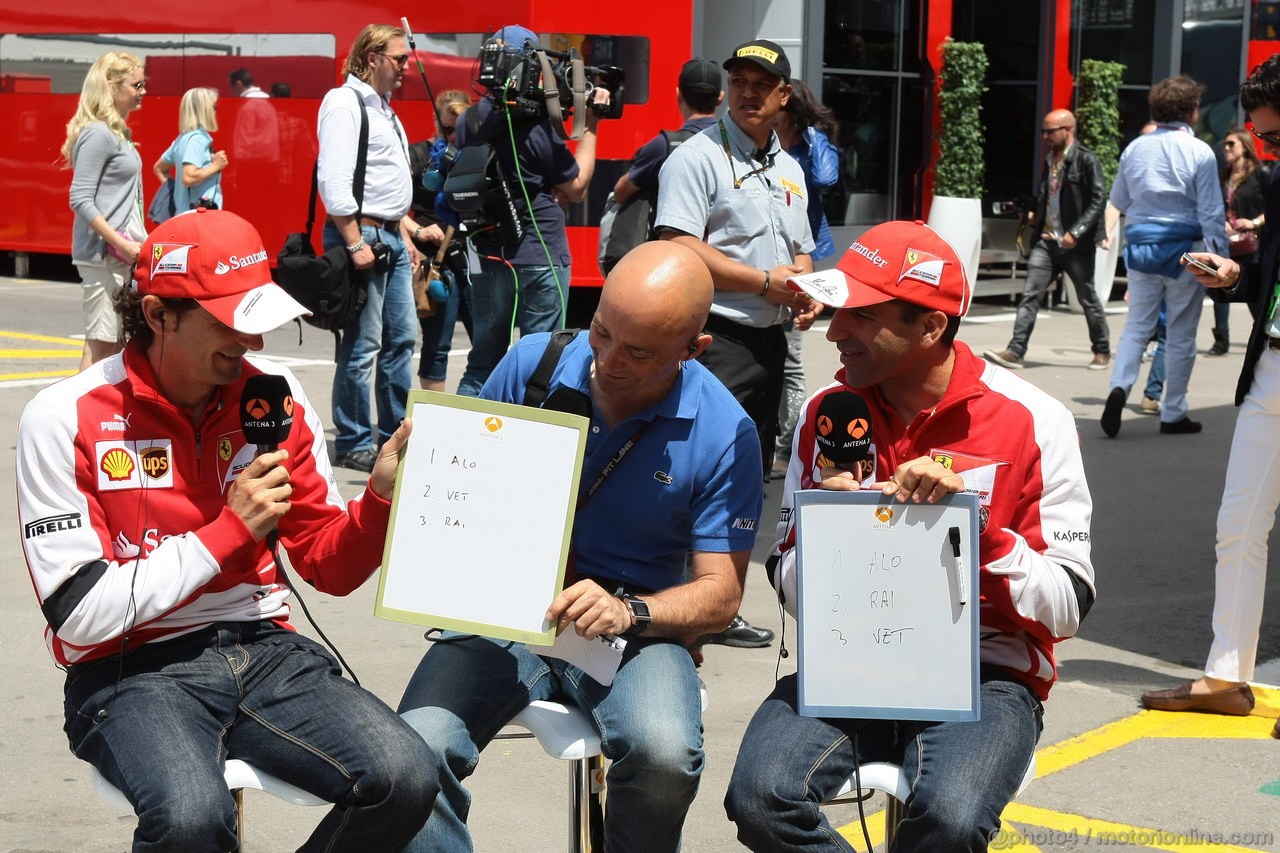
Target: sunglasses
(401,61)
(448,129)
(1230,143)
(1050,131)
(1271,137)
(140,86)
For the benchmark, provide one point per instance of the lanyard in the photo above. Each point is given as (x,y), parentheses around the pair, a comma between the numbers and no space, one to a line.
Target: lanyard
(737,182)
(612,464)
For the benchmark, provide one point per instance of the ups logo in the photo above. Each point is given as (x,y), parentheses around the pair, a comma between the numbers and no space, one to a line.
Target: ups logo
(154,461)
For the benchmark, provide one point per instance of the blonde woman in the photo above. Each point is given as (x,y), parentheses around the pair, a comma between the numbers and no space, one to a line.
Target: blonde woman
(106,193)
(200,183)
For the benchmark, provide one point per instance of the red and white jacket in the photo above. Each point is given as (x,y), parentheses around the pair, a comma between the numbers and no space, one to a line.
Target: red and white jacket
(1017,448)
(124,520)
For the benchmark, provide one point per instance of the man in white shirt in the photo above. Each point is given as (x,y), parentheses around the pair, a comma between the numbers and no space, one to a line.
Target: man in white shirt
(242,85)
(371,221)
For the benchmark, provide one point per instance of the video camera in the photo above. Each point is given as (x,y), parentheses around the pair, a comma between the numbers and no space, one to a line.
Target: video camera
(517,77)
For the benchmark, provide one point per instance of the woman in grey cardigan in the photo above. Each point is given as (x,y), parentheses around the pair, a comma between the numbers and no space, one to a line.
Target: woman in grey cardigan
(106,193)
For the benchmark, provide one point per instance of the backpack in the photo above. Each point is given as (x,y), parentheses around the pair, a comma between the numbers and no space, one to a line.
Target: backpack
(625,226)
(327,285)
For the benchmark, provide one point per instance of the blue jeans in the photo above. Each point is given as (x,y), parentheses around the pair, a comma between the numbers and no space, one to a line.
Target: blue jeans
(385,332)
(496,310)
(962,774)
(1183,298)
(1046,260)
(1155,373)
(261,693)
(650,722)
(437,330)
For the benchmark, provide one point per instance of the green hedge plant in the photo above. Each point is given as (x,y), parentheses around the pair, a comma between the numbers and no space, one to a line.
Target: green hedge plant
(960,159)
(1098,112)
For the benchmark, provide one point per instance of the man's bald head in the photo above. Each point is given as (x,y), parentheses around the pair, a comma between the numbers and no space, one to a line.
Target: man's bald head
(663,286)
(1059,129)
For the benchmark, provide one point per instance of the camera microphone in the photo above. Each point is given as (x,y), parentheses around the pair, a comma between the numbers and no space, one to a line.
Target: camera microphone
(843,430)
(266,417)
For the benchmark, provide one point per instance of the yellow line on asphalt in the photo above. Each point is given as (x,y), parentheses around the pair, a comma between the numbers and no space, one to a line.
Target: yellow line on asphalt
(875,828)
(40,353)
(28,336)
(1083,831)
(48,374)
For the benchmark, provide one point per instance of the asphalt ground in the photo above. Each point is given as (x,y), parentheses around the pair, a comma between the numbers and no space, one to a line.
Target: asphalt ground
(1109,774)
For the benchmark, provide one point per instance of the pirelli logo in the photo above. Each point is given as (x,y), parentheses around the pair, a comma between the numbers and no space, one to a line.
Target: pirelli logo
(52,524)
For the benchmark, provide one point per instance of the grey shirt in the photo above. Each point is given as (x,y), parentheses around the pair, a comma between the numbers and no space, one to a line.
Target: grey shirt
(762,224)
(106,181)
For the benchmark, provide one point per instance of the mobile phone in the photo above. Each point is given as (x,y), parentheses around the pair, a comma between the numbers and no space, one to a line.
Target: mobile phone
(1200,265)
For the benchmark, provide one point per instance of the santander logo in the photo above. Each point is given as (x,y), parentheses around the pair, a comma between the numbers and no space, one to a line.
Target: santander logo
(236,262)
(221,268)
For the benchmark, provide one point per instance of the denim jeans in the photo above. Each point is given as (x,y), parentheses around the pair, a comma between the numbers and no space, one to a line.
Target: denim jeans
(1155,373)
(385,332)
(793,394)
(437,330)
(962,774)
(496,310)
(1183,299)
(1046,260)
(261,693)
(650,722)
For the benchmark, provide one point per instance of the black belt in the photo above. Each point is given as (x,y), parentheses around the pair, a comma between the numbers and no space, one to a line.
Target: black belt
(385,224)
(1273,343)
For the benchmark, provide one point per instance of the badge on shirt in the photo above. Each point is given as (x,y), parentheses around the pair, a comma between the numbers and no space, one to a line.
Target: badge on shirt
(142,464)
(979,474)
(791,187)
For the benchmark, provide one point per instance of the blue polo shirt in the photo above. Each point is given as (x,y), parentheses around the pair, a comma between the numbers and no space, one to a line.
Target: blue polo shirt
(691,482)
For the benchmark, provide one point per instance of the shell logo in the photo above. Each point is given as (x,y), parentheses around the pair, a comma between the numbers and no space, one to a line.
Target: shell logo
(493,423)
(824,425)
(884,514)
(117,464)
(858,427)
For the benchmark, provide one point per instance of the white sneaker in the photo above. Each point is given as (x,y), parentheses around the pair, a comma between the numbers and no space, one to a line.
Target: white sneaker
(1149,406)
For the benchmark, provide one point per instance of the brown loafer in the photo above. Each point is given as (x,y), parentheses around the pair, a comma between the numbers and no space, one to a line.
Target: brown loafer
(1236,701)
(1275,732)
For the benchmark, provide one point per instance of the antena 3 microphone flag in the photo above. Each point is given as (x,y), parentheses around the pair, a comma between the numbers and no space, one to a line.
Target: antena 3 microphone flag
(266,410)
(843,430)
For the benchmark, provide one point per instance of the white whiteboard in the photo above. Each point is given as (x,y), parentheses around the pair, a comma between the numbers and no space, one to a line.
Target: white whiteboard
(481,517)
(882,634)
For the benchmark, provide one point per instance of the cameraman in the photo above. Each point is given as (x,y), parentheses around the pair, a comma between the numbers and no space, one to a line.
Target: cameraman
(529,278)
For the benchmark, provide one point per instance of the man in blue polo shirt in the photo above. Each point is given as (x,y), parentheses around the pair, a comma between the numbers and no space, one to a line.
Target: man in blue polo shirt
(672,467)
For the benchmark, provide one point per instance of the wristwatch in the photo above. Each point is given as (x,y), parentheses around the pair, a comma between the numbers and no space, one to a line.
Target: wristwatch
(639,615)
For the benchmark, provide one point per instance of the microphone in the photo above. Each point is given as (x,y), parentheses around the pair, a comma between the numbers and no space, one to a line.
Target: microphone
(843,430)
(266,417)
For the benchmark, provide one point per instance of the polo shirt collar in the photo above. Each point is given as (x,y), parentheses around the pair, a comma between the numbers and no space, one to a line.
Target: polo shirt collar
(744,144)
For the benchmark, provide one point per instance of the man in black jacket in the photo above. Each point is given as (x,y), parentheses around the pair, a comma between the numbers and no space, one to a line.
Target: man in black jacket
(1068,213)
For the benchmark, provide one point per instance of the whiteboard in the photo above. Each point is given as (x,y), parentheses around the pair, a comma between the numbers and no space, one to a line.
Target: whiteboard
(481,517)
(882,634)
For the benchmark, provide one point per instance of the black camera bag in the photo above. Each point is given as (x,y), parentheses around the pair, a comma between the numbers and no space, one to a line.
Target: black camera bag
(328,285)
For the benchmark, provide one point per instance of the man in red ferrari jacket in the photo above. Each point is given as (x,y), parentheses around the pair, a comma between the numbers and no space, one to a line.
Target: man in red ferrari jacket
(145,518)
(942,421)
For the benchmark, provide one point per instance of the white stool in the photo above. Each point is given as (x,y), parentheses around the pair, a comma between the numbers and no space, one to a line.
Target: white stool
(888,778)
(239,775)
(564,732)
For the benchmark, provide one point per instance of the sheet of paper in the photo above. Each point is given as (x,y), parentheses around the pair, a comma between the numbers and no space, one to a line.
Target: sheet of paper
(598,658)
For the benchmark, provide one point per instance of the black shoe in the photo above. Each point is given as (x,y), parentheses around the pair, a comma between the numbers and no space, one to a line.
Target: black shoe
(1111,412)
(1186,426)
(1221,343)
(741,634)
(357,460)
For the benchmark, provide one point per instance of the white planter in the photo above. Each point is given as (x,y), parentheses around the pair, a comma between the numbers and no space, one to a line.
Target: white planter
(959,220)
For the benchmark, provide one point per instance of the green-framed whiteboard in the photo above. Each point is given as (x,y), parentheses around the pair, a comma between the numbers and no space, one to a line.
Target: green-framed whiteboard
(481,517)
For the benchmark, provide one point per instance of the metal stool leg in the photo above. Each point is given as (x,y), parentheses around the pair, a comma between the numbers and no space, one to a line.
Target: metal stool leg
(238,795)
(586,810)
(894,812)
